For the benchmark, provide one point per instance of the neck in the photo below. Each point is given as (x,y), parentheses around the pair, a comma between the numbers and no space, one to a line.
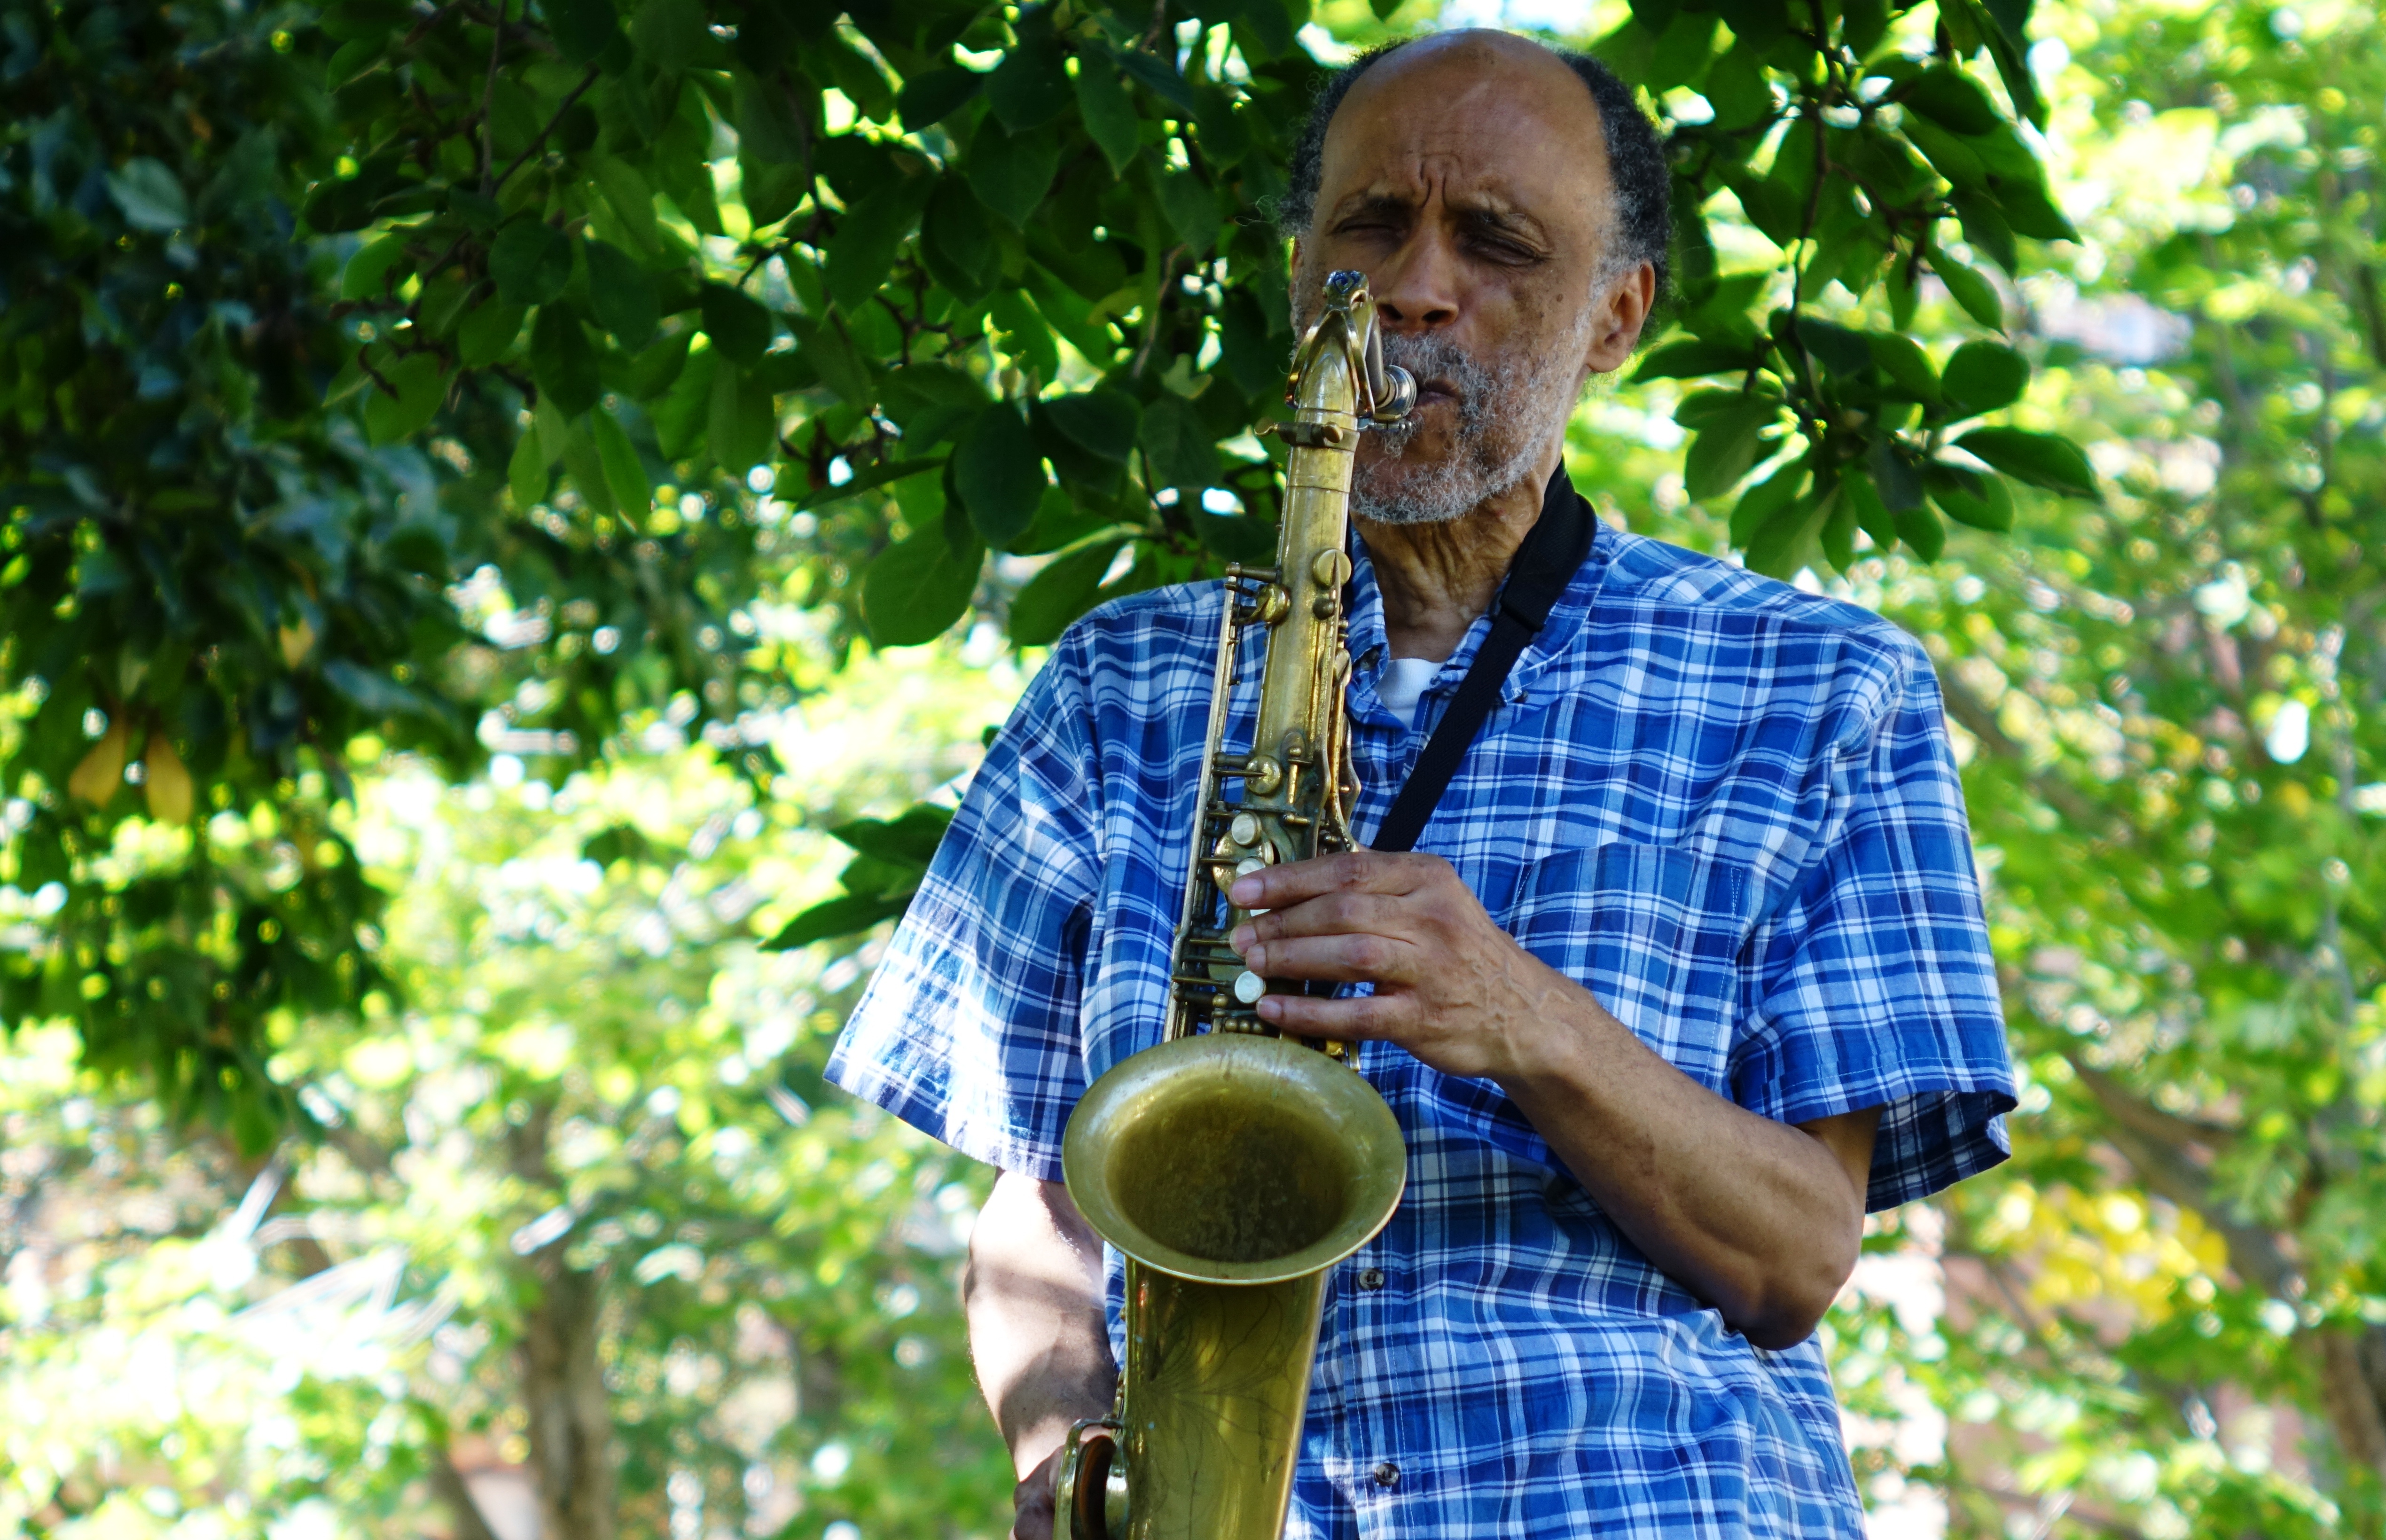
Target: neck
(1436,577)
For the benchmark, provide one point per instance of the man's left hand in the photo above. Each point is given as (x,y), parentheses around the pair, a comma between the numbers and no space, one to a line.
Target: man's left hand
(1450,986)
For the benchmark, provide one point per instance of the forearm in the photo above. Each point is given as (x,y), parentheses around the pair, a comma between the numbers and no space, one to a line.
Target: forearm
(1760,1219)
(1032,1292)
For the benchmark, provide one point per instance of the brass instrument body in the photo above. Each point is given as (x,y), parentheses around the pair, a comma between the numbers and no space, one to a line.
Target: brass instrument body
(1233,1167)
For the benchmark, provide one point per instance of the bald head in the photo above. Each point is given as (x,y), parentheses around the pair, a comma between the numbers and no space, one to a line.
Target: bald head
(1615,136)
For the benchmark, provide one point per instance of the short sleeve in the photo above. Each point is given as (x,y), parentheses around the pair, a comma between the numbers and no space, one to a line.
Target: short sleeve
(1873,984)
(969,1030)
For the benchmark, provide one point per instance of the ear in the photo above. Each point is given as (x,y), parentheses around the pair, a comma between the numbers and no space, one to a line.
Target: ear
(1292,276)
(1617,319)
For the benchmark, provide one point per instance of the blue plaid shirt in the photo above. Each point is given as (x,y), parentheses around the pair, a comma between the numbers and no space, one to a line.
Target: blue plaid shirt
(1725,808)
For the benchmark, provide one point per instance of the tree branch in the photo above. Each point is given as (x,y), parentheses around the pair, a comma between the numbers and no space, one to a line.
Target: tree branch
(449,1485)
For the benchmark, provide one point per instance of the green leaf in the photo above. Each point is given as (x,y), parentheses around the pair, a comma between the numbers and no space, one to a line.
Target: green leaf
(1983,376)
(1781,545)
(1904,361)
(366,275)
(770,189)
(1700,410)
(1970,290)
(930,402)
(1863,23)
(561,360)
(861,252)
(624,477)
(583,28)
(584,464)
(631,199)
(1897,481)
(1628,51)
(1157,76)
(933,95)
(1236,536)
(670,32)
(2045,460)
(1985,227)
(1969,498)
(1952,99)
(1102,421)
(842,368)
(1178,444)
(1011,173)
(1065,589)
(682,419)
(1688,360)
(530,261)
(913,591)
(421,390)
(1109,117)
(1838,530)
(769,128)
(1683,50)
(1722,452)
(1766,499)
(910,839)
(1030,87)
(958,241)
(1839,349)
(998,474)
(653,371)
(1871,513)
(1192,208)
(2030,212)
(882,474)
(1025,335)
(487,332)
(1737,88)
(737,323)
(1919,528)
(742,427)
(148,195)
(847,914)
(621,294)
(526,473)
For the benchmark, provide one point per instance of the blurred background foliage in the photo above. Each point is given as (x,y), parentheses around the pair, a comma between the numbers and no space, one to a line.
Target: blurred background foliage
(509,516)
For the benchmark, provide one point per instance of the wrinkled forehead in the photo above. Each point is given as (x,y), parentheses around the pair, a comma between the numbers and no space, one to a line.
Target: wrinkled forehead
(1483,121)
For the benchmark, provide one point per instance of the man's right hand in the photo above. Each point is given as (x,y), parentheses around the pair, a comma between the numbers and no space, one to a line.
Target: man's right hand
(1038,1335)
(1031,1500)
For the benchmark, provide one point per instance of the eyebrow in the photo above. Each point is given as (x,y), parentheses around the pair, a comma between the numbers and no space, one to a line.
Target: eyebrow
(1489,215)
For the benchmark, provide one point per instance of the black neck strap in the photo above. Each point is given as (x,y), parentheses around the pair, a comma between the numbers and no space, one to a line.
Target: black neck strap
(1554,549)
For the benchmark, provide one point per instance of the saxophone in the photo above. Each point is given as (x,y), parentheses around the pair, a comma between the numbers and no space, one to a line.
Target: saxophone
(1232,1166)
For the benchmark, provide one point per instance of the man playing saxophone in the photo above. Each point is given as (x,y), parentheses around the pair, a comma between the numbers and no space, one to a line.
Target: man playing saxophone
(1686,971)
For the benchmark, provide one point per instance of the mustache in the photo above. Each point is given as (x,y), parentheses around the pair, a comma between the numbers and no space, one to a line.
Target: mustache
(1440,363)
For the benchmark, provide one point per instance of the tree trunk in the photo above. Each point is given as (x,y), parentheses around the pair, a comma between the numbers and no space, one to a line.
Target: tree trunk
(2353,1388)
(563,1386)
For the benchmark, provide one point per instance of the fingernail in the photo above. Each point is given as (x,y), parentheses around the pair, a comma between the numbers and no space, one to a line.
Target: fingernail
(1242,937)
(1256,959)
(1244,891)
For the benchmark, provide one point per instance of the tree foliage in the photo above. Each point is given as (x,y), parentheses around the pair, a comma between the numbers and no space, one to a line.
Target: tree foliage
(314,313)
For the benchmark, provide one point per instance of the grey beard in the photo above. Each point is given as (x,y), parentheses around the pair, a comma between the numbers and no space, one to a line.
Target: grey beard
(1508,409)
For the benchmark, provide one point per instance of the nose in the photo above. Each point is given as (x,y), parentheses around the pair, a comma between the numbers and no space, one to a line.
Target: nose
(1416,290)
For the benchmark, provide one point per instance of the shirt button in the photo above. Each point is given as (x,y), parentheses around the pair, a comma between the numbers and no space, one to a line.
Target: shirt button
(1373,1278)
(1387,1475)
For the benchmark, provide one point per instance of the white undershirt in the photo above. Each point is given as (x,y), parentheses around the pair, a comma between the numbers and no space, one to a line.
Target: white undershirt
(1403,681)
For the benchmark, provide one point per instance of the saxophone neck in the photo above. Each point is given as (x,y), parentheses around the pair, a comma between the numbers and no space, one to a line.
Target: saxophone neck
(1339,368)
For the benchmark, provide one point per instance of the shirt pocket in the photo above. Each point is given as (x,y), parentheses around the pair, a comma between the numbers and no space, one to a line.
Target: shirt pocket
(1655,934)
